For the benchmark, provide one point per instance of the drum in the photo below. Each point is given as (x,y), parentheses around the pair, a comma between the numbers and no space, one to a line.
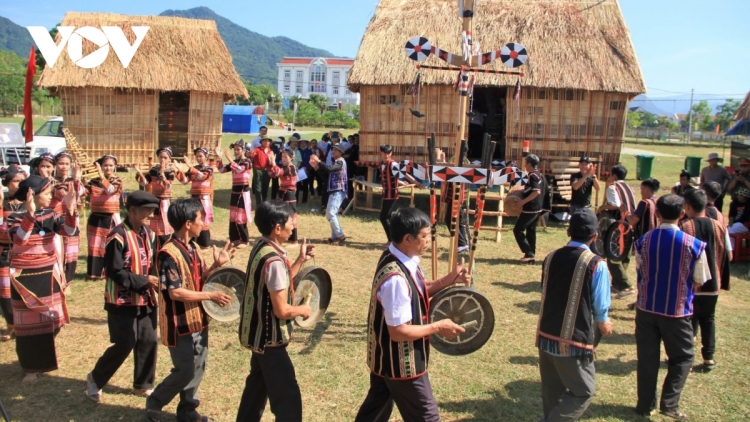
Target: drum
(510,206)
(466,307)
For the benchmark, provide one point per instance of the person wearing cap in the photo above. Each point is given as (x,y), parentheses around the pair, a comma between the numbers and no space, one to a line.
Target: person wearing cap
(263,158)
(399,325)
(183,325)
(201,179)
(104,195)
(267,315)
(287,175)
(158,182)
(671,265)
(619,198)
(240,200)
(741,178)
(336,190)
(716,173)
(130,299)
(582,184)
(11,177)
(305,186)
(255,143)
(718,255)
(575,303)
(67,177)
(533,207)
(37,278)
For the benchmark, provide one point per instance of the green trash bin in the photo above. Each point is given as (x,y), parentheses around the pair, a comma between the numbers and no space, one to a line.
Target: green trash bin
(693,166)
(643,164)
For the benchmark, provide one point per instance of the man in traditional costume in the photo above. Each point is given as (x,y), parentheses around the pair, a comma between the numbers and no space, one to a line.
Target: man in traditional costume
(240,199)
(36,274)
(11,178)
(336,172)
(104,196)
(533,208)
(575,301)
(389,183)
(263,159)
(267,313)
(671,265)
(644,218)
(130,297)
(183,324)
(619,198)
(718,255)
(399,326)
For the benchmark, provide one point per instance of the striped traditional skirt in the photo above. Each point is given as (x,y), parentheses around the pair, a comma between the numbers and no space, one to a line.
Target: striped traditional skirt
(240,206)
(208,208)
(5,302)
(39,311)
(159,223)
(99,227)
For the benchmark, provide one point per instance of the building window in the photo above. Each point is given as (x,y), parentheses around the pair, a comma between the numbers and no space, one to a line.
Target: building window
(318,79)
(298,88)
(335,90)
(617,105)
(286,89)
(299,75)
(287,74)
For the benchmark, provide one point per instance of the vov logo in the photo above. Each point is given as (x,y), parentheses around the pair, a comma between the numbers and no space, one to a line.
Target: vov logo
(73,38)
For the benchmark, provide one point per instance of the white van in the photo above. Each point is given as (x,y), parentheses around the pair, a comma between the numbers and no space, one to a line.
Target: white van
(48,138)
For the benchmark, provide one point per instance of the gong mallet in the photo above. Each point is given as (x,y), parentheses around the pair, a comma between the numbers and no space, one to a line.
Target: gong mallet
(433,205)
(470,324)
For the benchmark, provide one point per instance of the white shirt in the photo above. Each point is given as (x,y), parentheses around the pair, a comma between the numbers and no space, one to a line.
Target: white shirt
(256,142)
(394,293)
(612,197)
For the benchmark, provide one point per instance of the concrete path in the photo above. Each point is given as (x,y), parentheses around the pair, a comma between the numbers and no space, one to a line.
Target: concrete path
(634,151)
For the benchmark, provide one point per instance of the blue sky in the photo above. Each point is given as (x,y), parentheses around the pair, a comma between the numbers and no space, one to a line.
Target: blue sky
(681,44)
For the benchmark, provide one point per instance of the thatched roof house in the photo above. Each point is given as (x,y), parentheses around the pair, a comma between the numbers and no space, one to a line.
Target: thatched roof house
(171,94)
(582,70)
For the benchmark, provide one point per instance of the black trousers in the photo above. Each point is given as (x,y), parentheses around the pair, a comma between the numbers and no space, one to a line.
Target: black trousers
(719,202)
(274,187)
(704,315)
(303,187)
(386,208)
(526,223)
(619,273)
(413,397)
(130,333)
(677,335)
(261,180)
(463,224)
(7,310)
(271,378)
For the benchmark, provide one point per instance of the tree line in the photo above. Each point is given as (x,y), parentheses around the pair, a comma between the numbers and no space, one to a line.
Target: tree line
(703,118)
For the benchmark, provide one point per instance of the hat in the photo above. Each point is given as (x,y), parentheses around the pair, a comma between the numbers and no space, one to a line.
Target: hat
(296,135)
(107,157)
(303,140)
(34,183)
(141,198)
(585,160)
(583,224)
(240,143)
(714,156)
(340,147)
(264,138)
(293,139)
(38,160)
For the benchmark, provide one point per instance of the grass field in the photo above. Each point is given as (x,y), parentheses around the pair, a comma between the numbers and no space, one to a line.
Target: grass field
(500,382)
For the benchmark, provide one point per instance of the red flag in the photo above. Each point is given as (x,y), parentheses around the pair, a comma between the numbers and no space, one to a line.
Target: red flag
(718,129)
(27,109)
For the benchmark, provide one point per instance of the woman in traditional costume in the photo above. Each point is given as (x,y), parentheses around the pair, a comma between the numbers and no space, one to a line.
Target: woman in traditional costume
(11,177)
(104,193)
(37,278)
(287,175)
(201,177)
(67,174)
(43,165)
(158,182)
(239,202)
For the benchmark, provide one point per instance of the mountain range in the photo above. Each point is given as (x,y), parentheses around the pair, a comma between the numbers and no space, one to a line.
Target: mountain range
(254,55)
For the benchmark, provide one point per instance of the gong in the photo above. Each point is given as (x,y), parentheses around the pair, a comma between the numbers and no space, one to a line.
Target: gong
(314,285)
(468,308)
(230,281)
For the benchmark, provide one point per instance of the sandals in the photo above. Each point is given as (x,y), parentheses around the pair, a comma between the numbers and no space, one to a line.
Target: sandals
(625,293)
(675,414)
(10,334)
(92,391)
(527,260)
(141,393)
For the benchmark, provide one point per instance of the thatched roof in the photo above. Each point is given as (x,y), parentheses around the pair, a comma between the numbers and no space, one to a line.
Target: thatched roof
(572,44)
(744,111)
(176,54)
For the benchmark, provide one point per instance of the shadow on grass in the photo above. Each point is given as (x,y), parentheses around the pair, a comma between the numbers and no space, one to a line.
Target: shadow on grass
(524,360)
(615,366)
(88,321)
(620,338)
(532,307)
(33,402)
(528,287)
(363,246)
(510,261)
(512,406)
(317,334)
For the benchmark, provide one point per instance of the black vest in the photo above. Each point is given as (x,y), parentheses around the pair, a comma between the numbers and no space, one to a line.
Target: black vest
(387,358)
(567,315)
(713,234)
(259,326)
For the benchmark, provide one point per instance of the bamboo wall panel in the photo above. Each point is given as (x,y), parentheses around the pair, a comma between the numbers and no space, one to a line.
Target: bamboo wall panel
(206,113)
(112,121)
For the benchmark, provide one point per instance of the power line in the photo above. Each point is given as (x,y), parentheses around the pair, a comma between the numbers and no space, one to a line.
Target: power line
(688,93)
